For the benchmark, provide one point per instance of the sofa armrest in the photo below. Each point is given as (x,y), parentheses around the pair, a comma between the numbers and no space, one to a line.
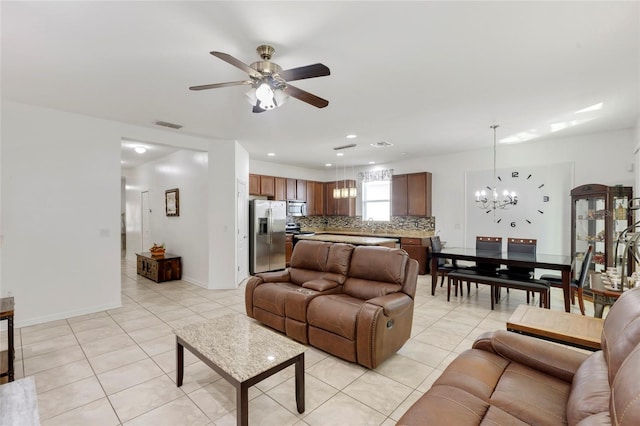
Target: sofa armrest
(320,284)
(392,304)
(275,277)
(555,360)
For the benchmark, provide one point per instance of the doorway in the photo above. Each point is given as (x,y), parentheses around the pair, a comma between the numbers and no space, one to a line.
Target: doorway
(242,232)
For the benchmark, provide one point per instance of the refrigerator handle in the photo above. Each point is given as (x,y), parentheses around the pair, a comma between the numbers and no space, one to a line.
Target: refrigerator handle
(270,225)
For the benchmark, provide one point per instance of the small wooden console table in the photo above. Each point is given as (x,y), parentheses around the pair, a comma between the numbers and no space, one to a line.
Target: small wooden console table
(161,268)
(6,357)
(561,327)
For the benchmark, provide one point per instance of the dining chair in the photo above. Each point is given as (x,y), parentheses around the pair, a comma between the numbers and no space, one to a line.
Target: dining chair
(486,244)
(577,284)
(519,245)
(443,267)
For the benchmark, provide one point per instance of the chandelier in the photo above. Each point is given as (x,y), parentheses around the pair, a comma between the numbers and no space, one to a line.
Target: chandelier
(491,201)
(348,189)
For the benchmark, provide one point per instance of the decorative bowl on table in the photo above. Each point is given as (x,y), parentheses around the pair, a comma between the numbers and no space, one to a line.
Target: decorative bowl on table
(157,250)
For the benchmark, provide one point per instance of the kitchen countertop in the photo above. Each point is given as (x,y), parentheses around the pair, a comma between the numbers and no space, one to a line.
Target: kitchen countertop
(376,234)
(349,239)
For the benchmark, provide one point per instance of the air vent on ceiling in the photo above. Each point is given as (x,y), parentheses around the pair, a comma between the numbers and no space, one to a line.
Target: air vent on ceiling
(167,124)
(338,148)
(382,144)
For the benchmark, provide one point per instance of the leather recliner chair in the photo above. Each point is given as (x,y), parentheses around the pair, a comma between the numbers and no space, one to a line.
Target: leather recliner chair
(508,378)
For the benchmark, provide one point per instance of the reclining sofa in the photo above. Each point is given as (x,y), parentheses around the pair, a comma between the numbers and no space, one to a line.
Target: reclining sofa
(355,302)
(509,378)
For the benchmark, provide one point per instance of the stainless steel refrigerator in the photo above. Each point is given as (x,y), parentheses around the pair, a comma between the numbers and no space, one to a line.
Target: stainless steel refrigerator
(266,227)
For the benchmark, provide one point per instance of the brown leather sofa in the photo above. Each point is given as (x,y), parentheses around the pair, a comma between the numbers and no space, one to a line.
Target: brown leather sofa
(509,378)
(353,302)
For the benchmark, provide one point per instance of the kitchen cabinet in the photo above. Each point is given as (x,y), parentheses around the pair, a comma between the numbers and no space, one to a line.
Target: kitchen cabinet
(254,184)
(281,189)
(261,185)
(301,190)
(315,198)
(411,194)
(339,206)
(599,214)
(297,189)
(417,249)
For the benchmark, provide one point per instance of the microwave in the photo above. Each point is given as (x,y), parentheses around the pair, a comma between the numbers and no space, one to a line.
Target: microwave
(296,208)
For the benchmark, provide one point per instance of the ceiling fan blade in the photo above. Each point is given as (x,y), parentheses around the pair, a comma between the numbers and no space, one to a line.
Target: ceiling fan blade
(217,85)
(306,97)
(237,63)
(256,108)
(309,71)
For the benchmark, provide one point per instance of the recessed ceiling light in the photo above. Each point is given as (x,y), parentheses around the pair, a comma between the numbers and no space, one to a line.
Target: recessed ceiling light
(140,149)
(340,154)
(372,162)
(352,136)
(271,154)
(328,165)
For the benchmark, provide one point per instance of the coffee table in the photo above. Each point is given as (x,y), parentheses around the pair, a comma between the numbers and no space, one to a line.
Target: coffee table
(243,352)
(561,327)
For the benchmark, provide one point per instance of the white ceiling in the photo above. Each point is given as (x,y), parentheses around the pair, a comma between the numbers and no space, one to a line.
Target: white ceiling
(429,77)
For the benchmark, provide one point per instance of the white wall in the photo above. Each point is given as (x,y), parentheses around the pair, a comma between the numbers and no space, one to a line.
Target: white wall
(186,234)
(598,158)
(61,213)
(224,159)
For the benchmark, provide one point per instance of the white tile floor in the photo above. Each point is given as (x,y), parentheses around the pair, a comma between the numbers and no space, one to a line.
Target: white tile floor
(118,366)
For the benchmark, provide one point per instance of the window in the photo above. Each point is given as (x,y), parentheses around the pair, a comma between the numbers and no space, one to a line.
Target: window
(376,200)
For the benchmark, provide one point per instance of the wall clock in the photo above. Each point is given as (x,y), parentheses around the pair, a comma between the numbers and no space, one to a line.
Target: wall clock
(532,200)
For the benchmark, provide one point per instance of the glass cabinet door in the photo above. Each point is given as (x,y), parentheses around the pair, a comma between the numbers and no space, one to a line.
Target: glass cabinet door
(590,228)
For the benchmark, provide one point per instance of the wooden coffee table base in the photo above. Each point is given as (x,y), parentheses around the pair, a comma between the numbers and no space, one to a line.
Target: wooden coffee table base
(561,327)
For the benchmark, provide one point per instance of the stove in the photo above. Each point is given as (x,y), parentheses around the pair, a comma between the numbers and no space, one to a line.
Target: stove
(294,229)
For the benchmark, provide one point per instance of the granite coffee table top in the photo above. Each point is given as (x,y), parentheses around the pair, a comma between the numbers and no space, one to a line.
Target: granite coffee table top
(239,345)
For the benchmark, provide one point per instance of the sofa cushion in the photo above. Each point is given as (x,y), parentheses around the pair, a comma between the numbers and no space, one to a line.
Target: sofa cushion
(336,313)
(474,371)
(375,271)
(446,405)
(271,296)
(621,330)
(338,261)
(625,391)
(532,396)
(310,255)
(590,391)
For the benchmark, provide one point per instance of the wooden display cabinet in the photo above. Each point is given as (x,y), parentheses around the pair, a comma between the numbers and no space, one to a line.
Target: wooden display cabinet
(599,213)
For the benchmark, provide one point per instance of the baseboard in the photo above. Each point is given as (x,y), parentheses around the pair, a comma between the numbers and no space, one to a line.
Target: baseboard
(65,315)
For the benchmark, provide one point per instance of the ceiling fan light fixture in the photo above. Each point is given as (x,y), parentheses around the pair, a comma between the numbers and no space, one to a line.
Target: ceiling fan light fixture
(265,97)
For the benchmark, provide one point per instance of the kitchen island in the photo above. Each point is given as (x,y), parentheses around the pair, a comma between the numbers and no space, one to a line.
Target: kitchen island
(350,239)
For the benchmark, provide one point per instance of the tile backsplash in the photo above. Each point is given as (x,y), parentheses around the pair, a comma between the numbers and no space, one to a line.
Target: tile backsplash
(397,223)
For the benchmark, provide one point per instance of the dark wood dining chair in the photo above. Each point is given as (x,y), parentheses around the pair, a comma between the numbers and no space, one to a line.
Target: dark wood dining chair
(519,245)
(577,284)
(486,244)
(443,267)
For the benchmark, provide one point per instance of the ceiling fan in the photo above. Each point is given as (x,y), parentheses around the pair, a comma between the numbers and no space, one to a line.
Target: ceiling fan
(269,83)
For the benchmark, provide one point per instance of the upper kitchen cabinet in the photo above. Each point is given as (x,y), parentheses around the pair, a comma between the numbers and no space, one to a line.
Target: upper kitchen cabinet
(411,194)
(261,185)
(315,198)
(297,189)
(339,206)
(281,189)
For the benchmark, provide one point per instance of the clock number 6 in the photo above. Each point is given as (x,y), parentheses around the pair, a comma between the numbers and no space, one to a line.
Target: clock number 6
(513,224)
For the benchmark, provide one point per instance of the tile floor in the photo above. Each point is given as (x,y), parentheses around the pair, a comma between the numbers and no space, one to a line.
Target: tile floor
(117,367)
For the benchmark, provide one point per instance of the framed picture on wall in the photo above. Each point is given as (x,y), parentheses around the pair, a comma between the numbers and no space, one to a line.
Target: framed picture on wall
(172,202)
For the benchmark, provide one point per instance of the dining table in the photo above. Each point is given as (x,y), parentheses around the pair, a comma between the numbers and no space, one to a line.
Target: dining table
(555,262)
